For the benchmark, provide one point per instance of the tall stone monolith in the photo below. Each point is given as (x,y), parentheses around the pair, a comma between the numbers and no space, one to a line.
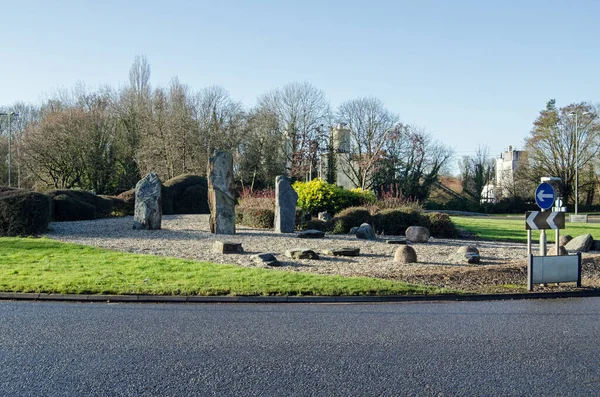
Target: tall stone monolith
(286,199)
(221,199)
(147,213)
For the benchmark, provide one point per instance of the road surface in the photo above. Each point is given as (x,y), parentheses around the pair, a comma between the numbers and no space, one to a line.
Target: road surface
(530,347)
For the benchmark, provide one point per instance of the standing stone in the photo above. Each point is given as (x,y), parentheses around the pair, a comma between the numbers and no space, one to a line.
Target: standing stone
(147,213)
(221,199)
(286,199)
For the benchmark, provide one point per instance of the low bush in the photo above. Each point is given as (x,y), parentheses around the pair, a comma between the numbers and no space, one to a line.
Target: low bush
(391,197)
(24,213)
(318,196)
(440,225)
(186,194)
(128,198)
(395,221)
(260,218)
(76,205)
(350,217)
(303,218)
(316,224)
(258,199)
(69,208)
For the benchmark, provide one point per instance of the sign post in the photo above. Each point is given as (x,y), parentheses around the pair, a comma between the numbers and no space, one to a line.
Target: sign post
(542,269)
(544,197)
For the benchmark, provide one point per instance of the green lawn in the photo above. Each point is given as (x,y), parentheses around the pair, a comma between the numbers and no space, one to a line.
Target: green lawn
(44,265)
(514,230)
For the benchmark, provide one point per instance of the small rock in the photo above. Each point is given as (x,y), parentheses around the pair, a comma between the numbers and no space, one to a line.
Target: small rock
(405,254)
(227,247)
(345,251)
(581,243)
(466,253)
(266,259)
(396,241)
(595,245)
(311,233)
(366,232)
(301,253)
(417,234)
(563,240)
(353,230)
(324,216)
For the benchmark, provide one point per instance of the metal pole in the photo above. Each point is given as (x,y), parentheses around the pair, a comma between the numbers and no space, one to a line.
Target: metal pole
(9,146)
(576,165)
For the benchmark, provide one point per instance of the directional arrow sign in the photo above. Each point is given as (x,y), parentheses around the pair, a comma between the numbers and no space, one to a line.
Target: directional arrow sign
(544,195)
(536,220)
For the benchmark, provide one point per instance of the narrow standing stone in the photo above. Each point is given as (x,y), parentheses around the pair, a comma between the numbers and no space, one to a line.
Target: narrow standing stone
(220,193)
(286,199)
(148,203)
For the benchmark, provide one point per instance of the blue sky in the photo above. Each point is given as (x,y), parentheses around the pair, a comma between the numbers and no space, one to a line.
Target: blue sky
(472,73)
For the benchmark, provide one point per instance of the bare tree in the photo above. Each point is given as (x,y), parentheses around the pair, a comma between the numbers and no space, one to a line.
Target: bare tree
(260,158)
(301,110)
(413,161)
(220,122)
(370,124)
(477,171)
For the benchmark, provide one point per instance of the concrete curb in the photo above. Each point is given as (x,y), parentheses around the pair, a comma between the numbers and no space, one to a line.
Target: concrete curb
(292,299)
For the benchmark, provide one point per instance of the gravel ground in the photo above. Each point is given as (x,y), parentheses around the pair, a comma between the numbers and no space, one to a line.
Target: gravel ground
(188,236)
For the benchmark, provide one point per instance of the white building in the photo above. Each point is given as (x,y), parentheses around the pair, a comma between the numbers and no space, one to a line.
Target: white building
(506,166)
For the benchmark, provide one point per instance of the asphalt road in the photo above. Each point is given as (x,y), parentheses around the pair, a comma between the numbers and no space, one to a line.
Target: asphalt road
(535,347)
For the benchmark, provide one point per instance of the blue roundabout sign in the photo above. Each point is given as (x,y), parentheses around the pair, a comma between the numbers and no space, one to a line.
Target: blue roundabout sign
(544,196)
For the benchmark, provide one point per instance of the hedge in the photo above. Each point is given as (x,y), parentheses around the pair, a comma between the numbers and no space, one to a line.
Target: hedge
(24,213)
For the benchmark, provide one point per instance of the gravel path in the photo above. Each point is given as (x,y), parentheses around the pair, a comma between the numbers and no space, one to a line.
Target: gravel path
(188,236)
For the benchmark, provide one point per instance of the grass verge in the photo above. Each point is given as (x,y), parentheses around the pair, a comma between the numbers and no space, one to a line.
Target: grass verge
(46,266)
(514,230)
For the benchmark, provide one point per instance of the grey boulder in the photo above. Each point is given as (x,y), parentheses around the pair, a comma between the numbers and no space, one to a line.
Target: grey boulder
(417,234)
(581,243)
(365,232)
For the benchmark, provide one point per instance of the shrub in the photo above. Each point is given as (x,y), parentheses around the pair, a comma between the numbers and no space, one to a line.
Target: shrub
(185,194)
(261,218)
(395,221)
(350,217)
(24,213)
(128,198)
(258,199)
(440,225)
(317,224)
(75,205)
(193,200)
(391,197)
(318,195)
(303,217)
(112,206)
(69,208)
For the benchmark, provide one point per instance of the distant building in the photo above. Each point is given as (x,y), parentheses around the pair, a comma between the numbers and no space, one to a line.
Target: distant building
(506,166)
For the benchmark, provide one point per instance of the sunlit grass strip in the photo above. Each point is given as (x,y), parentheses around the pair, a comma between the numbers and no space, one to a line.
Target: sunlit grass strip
(514,230)
(48,266)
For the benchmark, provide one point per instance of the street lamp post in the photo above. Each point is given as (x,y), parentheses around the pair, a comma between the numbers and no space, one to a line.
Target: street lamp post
(576,159)
(9,116)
